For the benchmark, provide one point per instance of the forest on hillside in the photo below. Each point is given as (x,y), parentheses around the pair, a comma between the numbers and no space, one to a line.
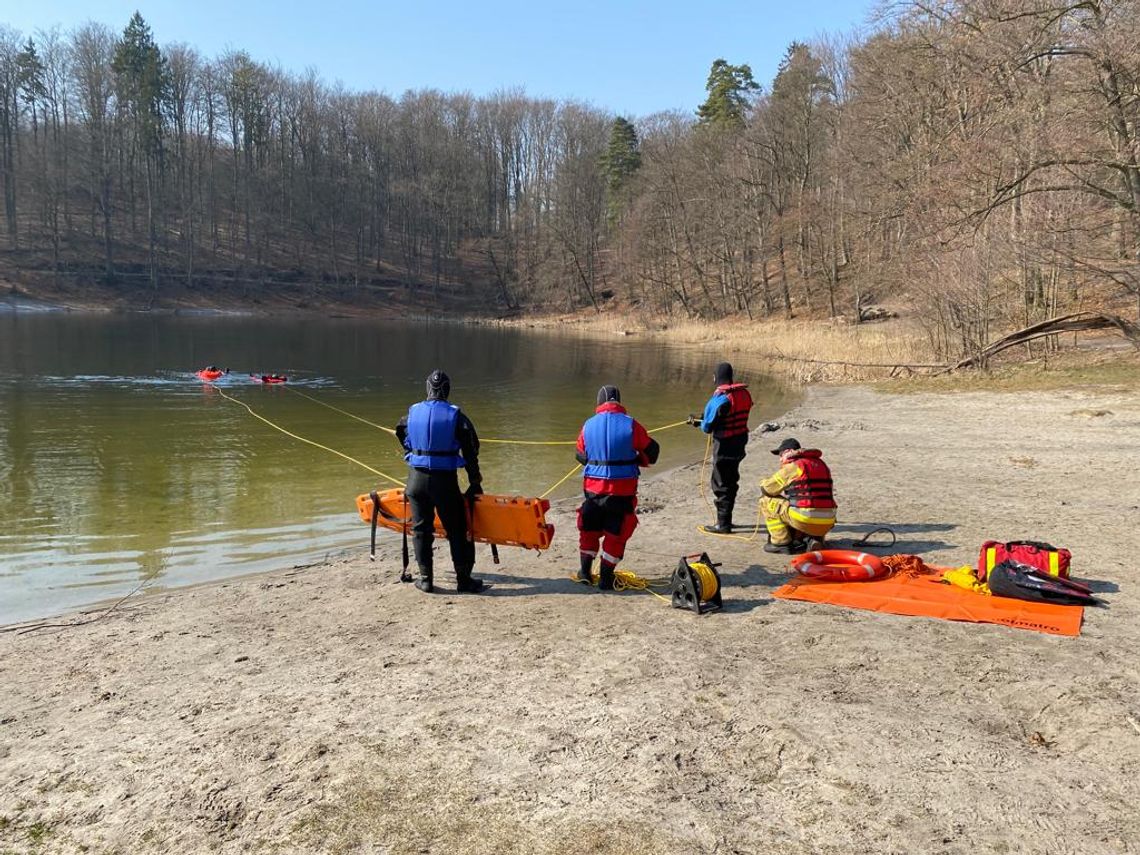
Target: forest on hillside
(976,162)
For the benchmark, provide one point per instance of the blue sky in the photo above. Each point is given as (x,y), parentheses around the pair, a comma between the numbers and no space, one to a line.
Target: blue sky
(634,58)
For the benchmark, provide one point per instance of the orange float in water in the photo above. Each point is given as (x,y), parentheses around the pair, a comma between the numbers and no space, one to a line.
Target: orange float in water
(501,520)
(209,374)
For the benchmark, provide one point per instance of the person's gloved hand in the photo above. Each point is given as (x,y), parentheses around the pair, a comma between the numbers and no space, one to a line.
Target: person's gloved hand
(693,420)
(473,491)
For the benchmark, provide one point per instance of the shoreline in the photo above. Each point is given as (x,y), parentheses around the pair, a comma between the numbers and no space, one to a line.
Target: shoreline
(333,709)
(567,504)
(347,553)
(810,350)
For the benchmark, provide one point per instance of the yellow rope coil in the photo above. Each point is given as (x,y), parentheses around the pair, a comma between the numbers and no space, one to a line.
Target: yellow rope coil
(627,580)
(707,578)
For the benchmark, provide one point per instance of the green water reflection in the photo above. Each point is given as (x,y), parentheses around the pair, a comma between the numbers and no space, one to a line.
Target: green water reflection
(117,465)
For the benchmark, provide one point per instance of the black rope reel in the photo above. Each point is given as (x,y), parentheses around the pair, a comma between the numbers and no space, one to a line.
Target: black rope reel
(696,584)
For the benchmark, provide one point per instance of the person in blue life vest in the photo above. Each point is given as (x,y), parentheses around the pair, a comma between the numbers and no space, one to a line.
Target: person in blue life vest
(613,447)
(726,418)
(439,440)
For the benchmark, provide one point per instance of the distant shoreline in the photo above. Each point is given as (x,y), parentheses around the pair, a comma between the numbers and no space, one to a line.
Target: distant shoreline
(804,350)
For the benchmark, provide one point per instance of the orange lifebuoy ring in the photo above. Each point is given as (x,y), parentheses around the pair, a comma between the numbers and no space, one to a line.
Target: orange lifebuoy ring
(840,565)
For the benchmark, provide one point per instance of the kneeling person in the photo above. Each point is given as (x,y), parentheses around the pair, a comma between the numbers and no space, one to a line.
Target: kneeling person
(613,447)
(797,499)
(439,440)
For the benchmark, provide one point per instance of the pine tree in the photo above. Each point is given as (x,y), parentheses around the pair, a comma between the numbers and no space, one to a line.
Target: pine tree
(142,83)
(801,78)
(30,76)
(620,160)
(729,87)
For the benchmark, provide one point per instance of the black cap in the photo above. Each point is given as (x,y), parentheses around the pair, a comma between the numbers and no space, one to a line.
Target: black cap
(607,394)
(723,374)
(438,385)
(788,444)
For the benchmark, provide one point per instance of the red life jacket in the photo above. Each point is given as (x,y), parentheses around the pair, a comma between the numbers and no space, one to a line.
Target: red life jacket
(813,488)
(735,422)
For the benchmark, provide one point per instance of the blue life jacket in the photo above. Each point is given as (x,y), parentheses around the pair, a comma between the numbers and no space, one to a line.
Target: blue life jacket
(608,438)
(431,441)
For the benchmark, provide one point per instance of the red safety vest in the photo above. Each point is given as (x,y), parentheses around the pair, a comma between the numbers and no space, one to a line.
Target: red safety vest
(812,489)
(739,404)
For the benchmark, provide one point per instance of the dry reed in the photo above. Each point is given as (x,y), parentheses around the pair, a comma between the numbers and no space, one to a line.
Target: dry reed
(802,350)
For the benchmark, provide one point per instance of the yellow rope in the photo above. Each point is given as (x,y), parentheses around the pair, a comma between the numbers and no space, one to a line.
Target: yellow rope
(343,412)
(756,532)
(578,466)
(561,480)
(627,580)
(668,427)
(481,439)
(387,477)
(526,442)
(389,430)
(704,495)
(702,482)
(708,580)
(308,441)
(566,441)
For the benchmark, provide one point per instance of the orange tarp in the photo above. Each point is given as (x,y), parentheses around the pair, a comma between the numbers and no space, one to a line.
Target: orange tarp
(927,596)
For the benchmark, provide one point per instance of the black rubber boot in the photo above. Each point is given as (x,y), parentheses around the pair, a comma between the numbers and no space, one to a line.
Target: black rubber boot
(778,548)
(466,584)
(723,523)
(585,572)
(424,582)
(606,578)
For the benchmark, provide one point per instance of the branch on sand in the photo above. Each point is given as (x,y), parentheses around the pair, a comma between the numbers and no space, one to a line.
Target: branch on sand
(1077,322)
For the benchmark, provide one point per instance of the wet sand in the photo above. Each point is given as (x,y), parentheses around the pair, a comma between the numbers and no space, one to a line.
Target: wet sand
(333,709)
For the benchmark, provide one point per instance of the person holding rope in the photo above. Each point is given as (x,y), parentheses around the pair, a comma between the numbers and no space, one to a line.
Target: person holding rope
(612,446)
(726,418)
(798,501)
(439,440)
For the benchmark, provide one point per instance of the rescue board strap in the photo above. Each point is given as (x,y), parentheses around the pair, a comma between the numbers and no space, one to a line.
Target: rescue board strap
(375,516)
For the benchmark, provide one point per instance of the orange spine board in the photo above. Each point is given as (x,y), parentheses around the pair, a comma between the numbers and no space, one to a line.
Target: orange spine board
(502,520)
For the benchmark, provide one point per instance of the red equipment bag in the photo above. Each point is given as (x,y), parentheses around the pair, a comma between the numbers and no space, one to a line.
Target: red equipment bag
(1044,556)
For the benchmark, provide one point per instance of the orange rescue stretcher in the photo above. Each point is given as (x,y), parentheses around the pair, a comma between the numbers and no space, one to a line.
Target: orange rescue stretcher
(498,520)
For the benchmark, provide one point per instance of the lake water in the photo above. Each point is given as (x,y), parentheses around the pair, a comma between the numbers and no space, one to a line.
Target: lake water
(118,466)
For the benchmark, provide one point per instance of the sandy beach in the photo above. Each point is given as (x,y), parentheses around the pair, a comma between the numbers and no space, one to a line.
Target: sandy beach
(332,709)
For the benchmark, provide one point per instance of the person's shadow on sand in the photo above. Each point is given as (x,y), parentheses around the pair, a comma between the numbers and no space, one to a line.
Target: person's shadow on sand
(509,585)
(532,586)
